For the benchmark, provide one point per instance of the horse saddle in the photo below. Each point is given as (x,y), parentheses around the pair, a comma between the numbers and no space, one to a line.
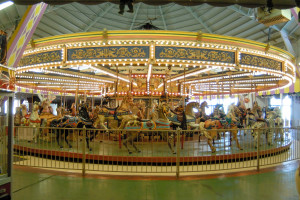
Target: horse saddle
(180,117)
(149,124)
(111,112)
(71,119)
(260,120)
(84,120)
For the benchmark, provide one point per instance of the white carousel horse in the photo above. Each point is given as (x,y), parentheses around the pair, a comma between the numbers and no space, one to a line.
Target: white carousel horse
(177,118)
(18,116)
(190,115)
(24,110)
(278,124)
(35,121)
(134,127)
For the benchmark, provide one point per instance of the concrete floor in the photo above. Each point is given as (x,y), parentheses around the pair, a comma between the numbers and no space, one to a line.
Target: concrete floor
(32,184)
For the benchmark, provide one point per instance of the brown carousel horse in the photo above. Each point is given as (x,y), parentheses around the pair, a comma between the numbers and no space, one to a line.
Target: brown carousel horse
(122,113)
(161,124)
(210,128)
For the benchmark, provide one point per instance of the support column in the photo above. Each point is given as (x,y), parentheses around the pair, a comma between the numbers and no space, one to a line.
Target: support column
(23,33)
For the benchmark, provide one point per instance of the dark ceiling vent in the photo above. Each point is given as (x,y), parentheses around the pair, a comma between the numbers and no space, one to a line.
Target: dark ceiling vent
(147,26)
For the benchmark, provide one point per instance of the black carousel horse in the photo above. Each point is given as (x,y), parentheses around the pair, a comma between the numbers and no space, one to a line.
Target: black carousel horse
(79,121)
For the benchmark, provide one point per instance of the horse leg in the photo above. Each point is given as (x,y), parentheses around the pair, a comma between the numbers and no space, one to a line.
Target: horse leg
(170,141)
(212,148)
(128,140)
(281,132)
(210,137)
(57,138)
(230,139)
(88,139)
(269,136)
(66,139)
(235,138)
(135,135)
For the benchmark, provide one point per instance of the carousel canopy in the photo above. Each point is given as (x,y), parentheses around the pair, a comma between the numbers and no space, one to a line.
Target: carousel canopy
(153,62)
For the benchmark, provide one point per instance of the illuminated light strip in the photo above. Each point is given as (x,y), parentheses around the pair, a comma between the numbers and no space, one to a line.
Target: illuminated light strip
(74,75)
(107,73)
(190,74)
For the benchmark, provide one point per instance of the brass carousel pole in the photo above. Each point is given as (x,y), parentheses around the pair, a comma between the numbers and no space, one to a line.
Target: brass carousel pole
(130,78)
(76,96)
(32,89)
(65,106)
(168,74)
(117,83)
(183,100)
(61,96)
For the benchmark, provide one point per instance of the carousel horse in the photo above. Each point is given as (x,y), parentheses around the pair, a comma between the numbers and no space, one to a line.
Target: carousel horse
(18,116)
(260,128)
(47,112)
(61,111)
(79,121)
(35,121)
(257,111)
(73,109)
(25,115)
(122,113)
(203,105)
(212,126)
(250,118)
(209,129)
(179,116)
(218,112)
(278,124)
(24,110)
(134,127)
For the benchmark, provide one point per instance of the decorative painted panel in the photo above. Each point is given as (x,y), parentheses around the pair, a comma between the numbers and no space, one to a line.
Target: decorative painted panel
(45,57)
(253,60)
(184,53)
(120,52)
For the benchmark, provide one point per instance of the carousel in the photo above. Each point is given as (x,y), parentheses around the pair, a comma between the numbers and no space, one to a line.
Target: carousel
(136,89)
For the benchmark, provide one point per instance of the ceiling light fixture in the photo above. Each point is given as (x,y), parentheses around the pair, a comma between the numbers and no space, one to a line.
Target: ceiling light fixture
(6,4)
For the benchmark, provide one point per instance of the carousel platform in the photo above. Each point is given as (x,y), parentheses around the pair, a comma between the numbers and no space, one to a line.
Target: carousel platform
(155,151)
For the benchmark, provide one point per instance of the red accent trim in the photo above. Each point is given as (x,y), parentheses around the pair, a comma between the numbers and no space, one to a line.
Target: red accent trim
(138,159)
(35,121)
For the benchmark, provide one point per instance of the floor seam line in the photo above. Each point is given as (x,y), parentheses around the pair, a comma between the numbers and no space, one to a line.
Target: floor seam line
(33,184)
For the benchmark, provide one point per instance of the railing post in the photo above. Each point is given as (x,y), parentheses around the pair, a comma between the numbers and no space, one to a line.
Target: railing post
(178,131)
(83,150)
(258,141)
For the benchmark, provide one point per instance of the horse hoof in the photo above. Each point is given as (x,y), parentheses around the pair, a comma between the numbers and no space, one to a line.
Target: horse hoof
(241,149)
(70,146)
(61,147)
(101,141)
(90,149)
(130,152)
(174,152)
